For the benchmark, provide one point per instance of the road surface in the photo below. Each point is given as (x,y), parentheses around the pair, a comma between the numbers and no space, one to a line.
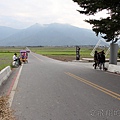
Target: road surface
(48,89)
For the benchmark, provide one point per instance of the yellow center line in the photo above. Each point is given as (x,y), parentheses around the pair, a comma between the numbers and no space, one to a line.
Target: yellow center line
(111,93)
(37,58)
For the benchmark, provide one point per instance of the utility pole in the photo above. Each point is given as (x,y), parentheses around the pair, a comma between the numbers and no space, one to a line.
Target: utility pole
(113,53)
(77,53)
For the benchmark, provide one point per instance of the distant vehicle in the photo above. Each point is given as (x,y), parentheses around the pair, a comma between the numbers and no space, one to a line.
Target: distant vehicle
(24,56)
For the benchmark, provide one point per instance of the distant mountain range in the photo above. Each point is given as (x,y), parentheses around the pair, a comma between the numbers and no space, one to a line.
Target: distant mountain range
(47,35)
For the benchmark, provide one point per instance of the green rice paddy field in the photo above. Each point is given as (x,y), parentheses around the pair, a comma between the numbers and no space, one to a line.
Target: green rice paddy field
(60,53)
(6,54)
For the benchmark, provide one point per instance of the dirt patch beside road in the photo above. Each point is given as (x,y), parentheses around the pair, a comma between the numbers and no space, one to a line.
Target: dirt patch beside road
(5,112)
(63,58)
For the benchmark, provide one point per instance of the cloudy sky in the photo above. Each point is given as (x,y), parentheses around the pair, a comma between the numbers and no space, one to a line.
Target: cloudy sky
(24,13)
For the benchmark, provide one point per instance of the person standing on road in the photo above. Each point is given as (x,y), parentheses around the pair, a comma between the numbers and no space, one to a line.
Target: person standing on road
(102,60)
(95,59)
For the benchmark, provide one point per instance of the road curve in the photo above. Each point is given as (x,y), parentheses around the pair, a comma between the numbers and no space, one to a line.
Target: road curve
(49,89)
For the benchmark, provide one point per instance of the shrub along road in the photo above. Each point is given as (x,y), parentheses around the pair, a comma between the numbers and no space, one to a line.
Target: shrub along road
(48,89)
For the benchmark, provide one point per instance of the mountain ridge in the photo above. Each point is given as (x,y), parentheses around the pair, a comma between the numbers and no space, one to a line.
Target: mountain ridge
(54,34)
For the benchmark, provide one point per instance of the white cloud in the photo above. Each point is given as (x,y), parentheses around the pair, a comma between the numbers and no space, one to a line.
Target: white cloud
(27,12)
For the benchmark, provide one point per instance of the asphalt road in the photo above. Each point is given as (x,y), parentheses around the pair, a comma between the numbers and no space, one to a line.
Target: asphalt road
(49,89)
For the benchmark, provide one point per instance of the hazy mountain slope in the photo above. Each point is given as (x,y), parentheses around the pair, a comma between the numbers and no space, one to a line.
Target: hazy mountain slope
(7,31)
(50,34)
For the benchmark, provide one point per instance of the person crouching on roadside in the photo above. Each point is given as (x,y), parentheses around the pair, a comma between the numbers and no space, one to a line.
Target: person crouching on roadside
(15,57)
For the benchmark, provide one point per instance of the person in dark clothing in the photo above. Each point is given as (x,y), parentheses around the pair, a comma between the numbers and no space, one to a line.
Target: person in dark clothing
(19,62)
(102,60)
(95,59)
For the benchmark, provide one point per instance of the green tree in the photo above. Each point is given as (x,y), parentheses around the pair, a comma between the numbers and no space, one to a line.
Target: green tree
(109,27)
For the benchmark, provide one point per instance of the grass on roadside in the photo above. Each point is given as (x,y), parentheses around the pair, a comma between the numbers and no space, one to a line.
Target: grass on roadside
(6,54)
(5,59)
